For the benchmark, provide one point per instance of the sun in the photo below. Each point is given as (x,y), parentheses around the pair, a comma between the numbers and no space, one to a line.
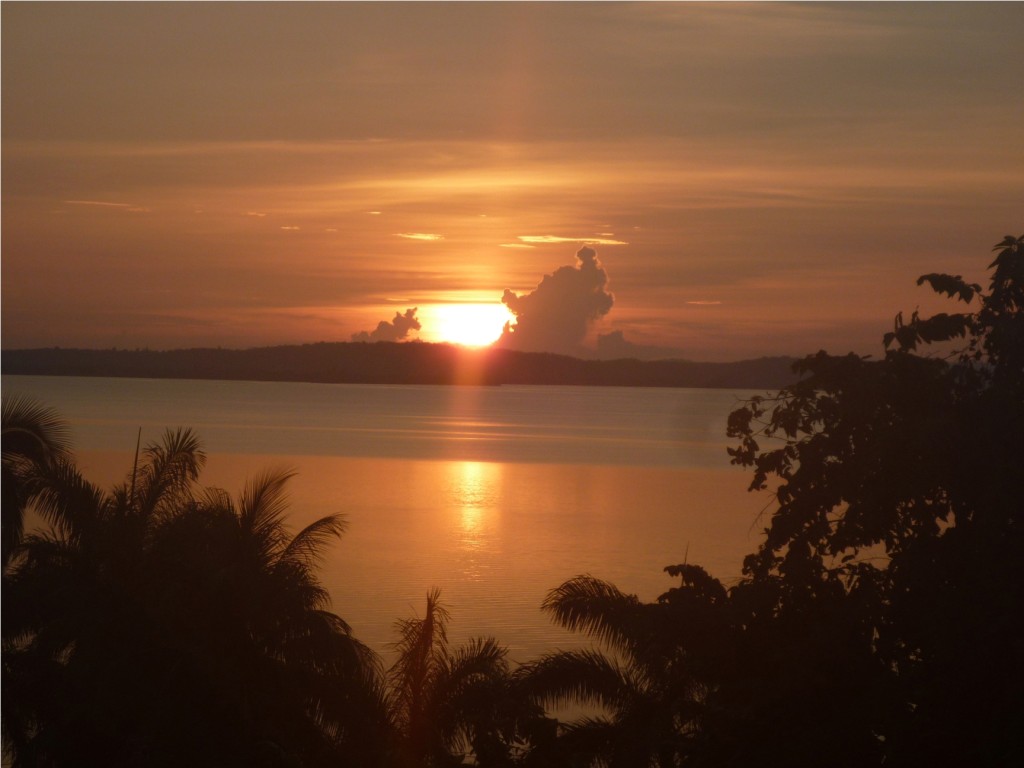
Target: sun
(471,325)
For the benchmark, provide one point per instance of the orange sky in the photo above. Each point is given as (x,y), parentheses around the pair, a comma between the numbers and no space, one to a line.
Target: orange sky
(759,180)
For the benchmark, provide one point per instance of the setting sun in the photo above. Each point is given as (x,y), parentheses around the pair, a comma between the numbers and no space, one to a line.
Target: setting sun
(472,325)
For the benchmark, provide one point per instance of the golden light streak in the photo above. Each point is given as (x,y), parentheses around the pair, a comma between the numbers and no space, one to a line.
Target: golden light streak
(556,239)
(419,236)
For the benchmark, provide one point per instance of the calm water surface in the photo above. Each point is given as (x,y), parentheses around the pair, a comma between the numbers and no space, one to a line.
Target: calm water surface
(493,494)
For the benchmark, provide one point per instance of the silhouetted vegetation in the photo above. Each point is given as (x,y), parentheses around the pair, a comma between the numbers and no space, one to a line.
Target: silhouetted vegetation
(897,533)
(35,439)
(160,624)
(396,363)
(878,624)
(449,704)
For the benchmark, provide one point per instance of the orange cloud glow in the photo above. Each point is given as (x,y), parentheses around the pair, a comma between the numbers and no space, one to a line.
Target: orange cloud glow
(748,153)
(419,236)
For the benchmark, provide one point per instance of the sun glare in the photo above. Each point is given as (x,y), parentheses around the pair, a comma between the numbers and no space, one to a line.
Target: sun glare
(472,325)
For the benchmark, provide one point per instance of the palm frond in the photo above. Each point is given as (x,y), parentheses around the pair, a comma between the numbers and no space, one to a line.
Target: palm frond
(170,468)
(69,502)
(468,684)
(579,676)
(261,511)
(481,654)
(34,440)
(32,430)
(418,637)
(422,644)
(480,658)
(216,498)
(312,640)
(306,547)
(597,608)
(354,696)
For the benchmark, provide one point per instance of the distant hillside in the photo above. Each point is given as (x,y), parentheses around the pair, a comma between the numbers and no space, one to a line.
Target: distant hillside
(391,363)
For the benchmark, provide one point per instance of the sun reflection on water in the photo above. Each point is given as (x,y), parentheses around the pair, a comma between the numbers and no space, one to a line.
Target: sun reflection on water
(474,489)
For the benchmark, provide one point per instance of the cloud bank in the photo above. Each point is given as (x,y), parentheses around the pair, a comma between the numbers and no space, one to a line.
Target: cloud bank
(397,330)
(558,313)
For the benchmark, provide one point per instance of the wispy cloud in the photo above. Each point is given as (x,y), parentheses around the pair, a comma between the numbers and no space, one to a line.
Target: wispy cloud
(556,239)
(516,245)
(98,202)
(703,303)
(419,236)
(290,229)
(129,207)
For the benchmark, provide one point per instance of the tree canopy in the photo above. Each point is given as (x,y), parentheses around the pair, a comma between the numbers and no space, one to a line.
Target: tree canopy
(895,538)
(163,624)
(880,620)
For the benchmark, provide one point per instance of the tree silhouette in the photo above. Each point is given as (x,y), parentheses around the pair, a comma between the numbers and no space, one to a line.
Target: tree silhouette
(897,484)
(34,440)
(880,622)
(447,703)
(653,680)
(160,625)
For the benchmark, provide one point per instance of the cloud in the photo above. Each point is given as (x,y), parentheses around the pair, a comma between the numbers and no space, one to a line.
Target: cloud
(556,239)
(704,303)
(396,330)
(558,313)
(102,204)
(98,202)
(419,236)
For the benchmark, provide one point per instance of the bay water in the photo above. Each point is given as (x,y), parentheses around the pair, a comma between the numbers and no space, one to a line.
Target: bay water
(493,494)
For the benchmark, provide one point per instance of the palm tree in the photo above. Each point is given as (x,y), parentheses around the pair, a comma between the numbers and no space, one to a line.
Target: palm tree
(652,683)
(156,624)
(446,703)
(76,628)
(34,440)
(317,683)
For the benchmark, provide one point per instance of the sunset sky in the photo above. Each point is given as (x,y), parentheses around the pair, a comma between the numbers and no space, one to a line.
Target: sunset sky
(738,180)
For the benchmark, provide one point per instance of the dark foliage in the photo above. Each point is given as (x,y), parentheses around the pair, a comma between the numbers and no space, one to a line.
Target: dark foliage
(880,622)
(450,703)
(160,625)
(887,589)
(34,441)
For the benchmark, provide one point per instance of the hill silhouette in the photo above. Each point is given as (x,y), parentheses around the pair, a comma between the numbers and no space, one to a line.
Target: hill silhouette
(395,363)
